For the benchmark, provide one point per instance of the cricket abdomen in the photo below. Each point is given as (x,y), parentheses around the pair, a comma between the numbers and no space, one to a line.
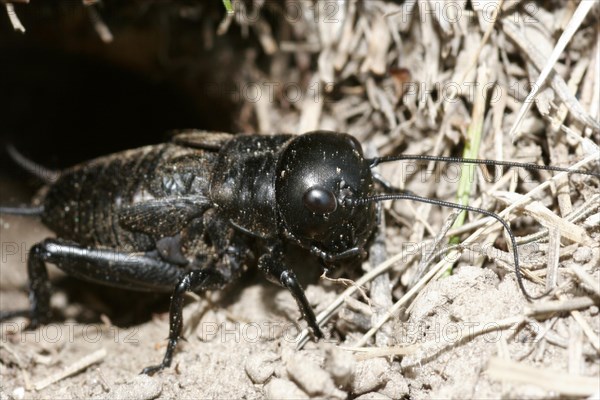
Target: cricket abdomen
(85,203)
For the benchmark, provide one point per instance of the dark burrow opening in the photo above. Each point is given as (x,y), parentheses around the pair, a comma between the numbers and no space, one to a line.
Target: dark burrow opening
(66,97)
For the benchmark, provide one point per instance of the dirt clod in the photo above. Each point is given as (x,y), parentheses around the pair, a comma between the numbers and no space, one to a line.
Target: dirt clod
(142,387)
(373,396)
(340,364)
(259,366)
(582,255)
(312,378)
(283,389)
(396,386)
(369,375)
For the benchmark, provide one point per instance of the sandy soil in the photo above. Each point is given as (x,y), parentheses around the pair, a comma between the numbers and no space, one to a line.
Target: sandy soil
(245,347)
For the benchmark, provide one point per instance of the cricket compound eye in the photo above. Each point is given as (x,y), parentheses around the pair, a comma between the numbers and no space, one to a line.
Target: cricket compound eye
(320,200)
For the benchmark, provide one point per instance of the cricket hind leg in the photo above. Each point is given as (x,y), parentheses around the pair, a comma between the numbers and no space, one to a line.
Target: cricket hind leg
(39,291)
(133,271)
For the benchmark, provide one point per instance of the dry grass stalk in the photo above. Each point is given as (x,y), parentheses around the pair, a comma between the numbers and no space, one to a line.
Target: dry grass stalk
(564,384)
(69,370)
(581,12)
(586,278)
(14,19)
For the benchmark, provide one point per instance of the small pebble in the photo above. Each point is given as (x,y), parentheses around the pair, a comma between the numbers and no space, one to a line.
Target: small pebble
(592,221)
(208,327)
(59,300)
(283,389)
(259,366)
(582,255)
(18,393)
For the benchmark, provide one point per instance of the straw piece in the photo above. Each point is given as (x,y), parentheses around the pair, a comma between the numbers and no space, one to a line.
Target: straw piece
(72,369)
(547,218)
(14,19)
(581,12)
(564,384)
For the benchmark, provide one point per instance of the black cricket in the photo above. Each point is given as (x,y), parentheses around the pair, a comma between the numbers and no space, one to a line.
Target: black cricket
(194,214)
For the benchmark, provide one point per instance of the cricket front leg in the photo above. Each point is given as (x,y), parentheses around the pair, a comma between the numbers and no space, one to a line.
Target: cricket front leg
(273,266)
(194,281)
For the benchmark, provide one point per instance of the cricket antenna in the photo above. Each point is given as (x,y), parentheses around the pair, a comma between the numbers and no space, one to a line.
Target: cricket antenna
(44,174)
(406,157)
(442,203)
(25,211)
(373,162)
